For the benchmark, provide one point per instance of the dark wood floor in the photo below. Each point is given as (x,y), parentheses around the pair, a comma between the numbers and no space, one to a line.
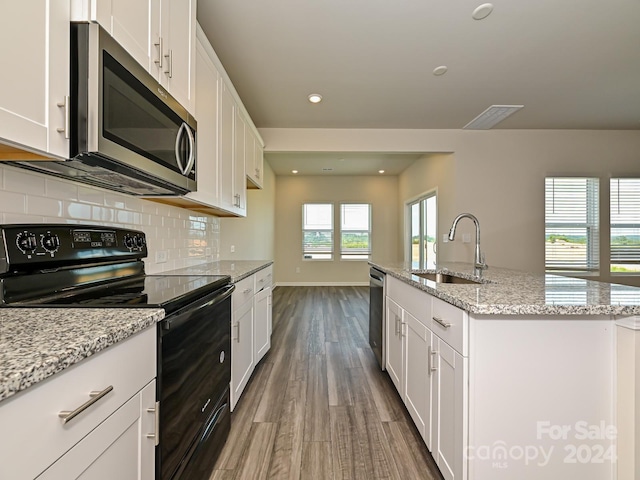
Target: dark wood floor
(317,405)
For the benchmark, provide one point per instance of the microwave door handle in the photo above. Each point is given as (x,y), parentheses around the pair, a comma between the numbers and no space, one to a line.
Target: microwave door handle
(192,150)
(185,128)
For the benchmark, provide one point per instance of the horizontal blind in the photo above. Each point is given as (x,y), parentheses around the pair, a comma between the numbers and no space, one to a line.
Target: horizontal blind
(625,224)
(355,229)
(317,230)
(571,224)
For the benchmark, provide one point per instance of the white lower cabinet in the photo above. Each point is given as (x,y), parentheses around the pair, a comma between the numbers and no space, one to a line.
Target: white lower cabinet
(262,322)
(250,328)
(449,407)
(505,397)
(241,350)
(118,448)
(113,437)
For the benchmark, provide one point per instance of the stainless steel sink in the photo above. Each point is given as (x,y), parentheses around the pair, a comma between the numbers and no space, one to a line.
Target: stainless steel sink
(445,278)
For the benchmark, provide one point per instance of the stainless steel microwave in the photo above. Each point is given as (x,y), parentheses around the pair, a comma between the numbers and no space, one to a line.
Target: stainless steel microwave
(127,132)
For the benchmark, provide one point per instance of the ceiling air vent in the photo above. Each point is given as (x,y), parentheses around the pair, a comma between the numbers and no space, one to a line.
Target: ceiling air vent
(492,116)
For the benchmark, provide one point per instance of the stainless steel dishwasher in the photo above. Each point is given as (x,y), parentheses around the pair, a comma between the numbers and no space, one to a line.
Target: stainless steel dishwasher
(376,314)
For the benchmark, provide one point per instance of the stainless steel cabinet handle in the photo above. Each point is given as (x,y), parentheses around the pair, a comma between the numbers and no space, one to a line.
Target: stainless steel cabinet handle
(65,105)
(67,416)
(397,325)
(156,435)
(246,291)
(441,322)
(432,353)
(237,337)
(169,70)
(160,49)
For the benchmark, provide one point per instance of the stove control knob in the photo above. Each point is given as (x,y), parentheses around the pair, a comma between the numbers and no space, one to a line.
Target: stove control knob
(128,241)
(139,241)
(27,242)
(50,242)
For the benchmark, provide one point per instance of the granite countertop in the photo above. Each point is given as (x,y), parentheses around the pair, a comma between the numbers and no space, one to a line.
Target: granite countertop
(511,292)
(35,343)
(236,269)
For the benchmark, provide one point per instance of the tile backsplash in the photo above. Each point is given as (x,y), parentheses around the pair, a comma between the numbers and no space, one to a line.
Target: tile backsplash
(185,238)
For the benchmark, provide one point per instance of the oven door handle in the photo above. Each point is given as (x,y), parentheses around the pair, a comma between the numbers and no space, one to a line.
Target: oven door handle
(174,321)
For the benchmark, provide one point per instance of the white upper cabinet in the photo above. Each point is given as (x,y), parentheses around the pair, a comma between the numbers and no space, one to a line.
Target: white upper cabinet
(34,88)
(254,158)
(159,34)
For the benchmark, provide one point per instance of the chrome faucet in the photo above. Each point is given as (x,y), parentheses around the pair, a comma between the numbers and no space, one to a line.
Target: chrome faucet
(478,261)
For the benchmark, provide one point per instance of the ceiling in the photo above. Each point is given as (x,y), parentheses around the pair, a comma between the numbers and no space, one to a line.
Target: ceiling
(573,64)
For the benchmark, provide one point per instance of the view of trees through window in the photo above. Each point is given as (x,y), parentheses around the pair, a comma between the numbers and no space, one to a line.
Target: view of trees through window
(317,231)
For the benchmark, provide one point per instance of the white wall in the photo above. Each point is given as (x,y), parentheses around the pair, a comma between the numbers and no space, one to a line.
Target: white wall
(189,238)
(293,191)
(499,177)
(253,236)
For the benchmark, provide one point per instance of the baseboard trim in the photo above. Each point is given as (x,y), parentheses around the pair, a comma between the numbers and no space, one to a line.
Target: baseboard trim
(322,284)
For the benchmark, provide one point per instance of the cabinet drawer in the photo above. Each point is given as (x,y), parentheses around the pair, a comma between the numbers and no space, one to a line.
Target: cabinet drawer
(245,289)
(411,299)
(456,333)
(264,278)
(33,434)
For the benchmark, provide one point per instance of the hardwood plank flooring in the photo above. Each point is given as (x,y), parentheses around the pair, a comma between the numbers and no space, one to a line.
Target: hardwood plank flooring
(317,405)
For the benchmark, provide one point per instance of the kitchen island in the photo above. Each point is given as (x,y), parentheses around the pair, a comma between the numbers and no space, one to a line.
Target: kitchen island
(515,376)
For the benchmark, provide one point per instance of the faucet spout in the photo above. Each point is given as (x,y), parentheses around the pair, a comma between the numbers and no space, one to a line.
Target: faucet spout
(478,262)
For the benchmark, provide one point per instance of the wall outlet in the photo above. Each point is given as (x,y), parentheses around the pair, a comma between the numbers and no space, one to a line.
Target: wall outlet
(161,256)
(233,248)
(297,269)
(445,238)
(466,238)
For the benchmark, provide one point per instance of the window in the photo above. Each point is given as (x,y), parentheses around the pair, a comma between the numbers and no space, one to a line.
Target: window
(355,231)
(317,231)
(422,228)
(571,224)
(625,225)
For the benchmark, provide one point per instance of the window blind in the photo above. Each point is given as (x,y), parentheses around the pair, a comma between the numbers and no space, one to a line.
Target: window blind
(571,224)
(625,224)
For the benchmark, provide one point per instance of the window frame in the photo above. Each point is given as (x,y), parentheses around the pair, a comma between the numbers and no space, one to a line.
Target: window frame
(617,223)
(362,255)
(307,255)
(421,201)
(590,225)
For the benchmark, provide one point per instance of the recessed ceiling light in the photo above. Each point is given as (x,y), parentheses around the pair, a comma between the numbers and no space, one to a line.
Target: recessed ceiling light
(294,171)
(441,70)
(380,171)
(483,11)
(491,116)
(315,98)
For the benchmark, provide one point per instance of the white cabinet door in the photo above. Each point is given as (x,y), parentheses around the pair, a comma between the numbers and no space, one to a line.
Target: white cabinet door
(227,106)
(35,81)
(395,360)
(449,410)
(117,448)
(261,330)
(239,178)
(178,33)
(242,362)
(207,86)
(417,382)
(253,158)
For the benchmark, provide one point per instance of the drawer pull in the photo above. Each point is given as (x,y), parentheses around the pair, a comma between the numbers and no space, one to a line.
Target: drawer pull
(441,322)
(248,290)
(67,416)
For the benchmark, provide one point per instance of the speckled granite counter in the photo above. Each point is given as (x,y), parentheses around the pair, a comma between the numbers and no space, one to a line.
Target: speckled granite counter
(510,292)
(236,269)
(35,343)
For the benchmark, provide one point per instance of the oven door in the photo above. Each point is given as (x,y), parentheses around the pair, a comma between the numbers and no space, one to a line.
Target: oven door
(194,371)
